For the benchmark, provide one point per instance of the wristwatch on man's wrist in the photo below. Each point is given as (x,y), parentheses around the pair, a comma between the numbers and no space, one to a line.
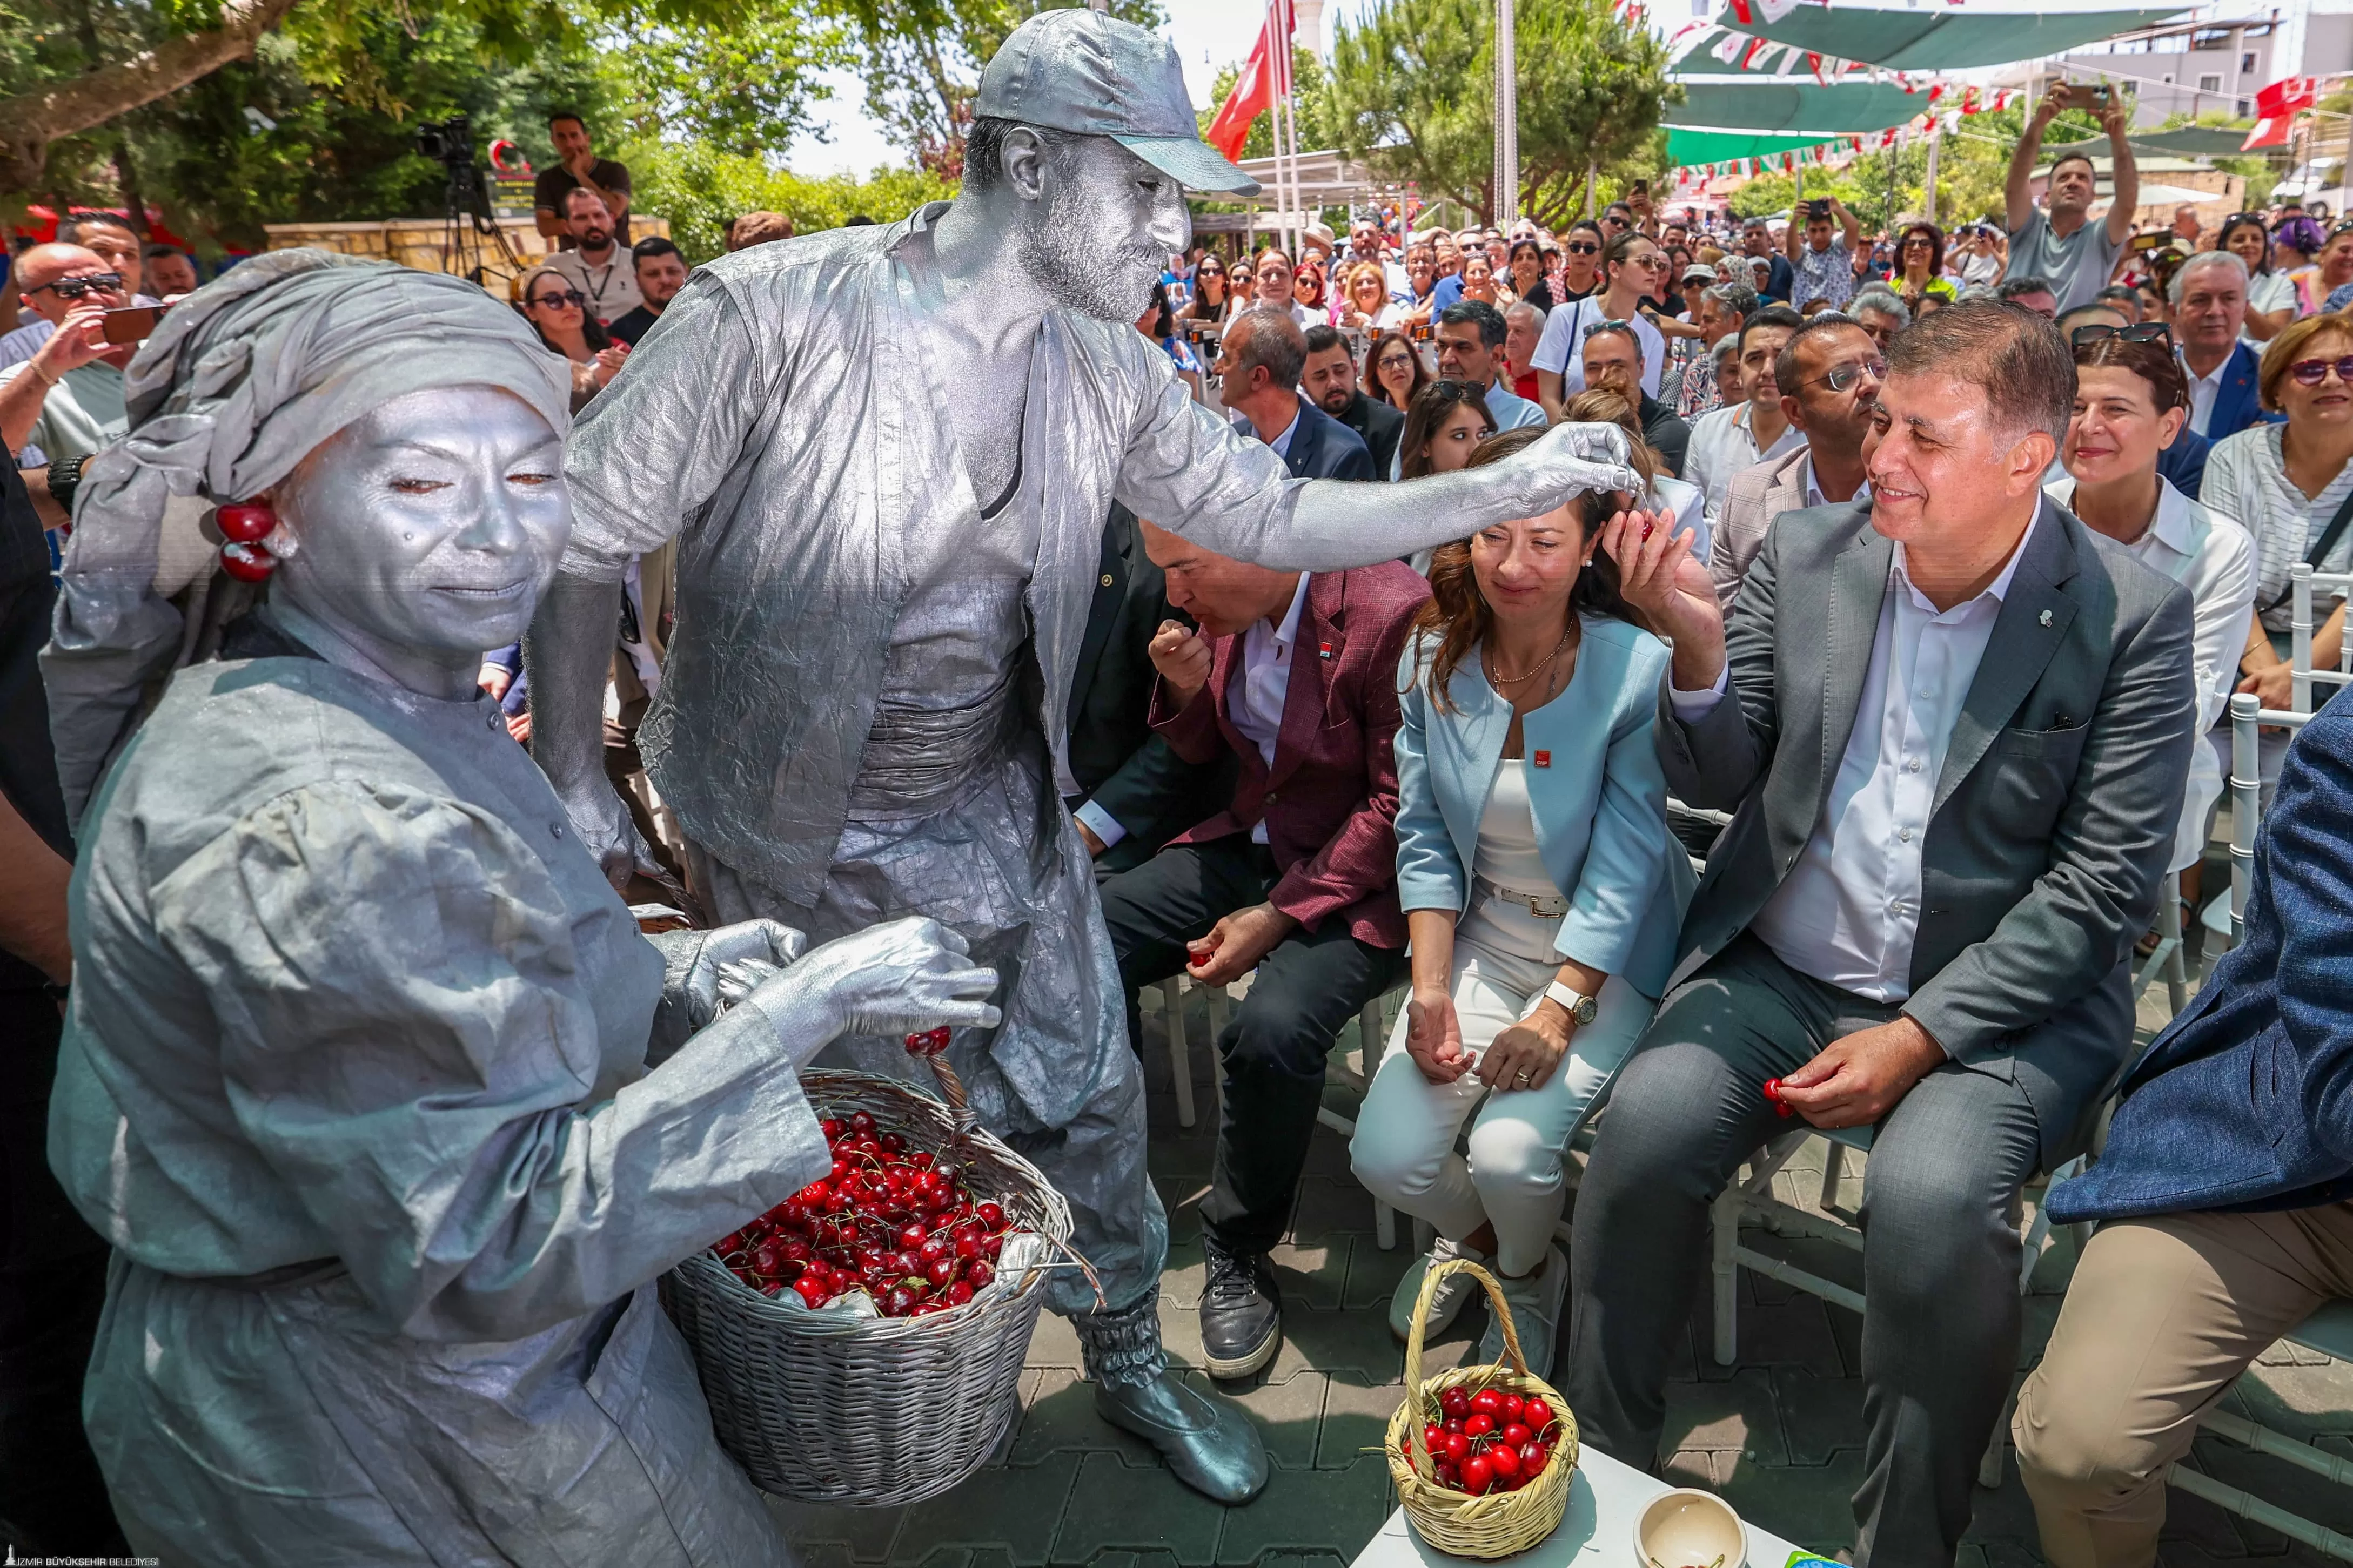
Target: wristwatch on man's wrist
(65,477)
(1581,1007)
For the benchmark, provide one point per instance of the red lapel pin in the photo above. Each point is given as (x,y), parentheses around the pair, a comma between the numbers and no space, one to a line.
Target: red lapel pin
(1324,648)
(1543,759)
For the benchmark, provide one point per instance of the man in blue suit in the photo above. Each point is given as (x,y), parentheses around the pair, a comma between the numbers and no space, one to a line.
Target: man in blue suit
(2226,1180)
(2210,308)
(1262,357)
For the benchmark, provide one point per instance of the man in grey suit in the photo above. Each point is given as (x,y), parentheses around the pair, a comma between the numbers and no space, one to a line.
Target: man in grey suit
(1952,727)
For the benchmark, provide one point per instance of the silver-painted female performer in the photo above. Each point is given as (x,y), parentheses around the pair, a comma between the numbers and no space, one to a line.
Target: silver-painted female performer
(887,454)
(389,1111)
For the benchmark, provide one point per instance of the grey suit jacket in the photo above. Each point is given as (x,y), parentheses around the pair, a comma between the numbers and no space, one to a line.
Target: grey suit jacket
(1757,497)
(2052,818)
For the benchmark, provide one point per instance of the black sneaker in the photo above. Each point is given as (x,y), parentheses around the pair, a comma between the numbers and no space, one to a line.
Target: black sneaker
(1242,1311)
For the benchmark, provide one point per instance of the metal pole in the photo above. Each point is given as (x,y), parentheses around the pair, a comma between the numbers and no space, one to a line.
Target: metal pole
(2246,803)
(1507,120)
(1935,140)
(2300,638)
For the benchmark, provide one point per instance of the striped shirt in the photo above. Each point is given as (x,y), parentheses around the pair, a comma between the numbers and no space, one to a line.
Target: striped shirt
(2246,480)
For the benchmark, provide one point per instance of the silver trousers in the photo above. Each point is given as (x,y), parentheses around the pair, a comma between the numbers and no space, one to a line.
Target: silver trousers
(993,855)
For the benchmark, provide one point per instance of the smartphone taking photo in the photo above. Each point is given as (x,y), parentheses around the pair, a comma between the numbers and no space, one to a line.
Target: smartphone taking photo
(130,324)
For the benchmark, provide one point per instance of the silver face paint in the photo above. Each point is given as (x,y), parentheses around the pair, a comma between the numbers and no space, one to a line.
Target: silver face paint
(424,533)
(1106,226)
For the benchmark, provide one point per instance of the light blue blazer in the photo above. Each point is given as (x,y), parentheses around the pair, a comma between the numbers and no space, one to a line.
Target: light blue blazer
(1600,806)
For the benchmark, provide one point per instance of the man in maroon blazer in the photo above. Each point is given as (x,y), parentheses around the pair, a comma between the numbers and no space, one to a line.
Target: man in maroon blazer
(1295,674)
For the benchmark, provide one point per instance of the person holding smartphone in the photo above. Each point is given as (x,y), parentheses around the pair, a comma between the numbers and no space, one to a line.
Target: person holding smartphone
(2057,241)
(66,401)
(1823,267)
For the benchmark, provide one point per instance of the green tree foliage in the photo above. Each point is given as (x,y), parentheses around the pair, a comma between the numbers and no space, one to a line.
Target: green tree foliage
(700,188)
(1410,94)
(920,60)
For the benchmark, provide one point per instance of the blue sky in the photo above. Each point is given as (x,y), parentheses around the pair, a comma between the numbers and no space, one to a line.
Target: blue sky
(1208,34)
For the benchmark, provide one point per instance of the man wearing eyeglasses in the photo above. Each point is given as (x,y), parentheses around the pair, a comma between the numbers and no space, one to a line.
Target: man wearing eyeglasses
(66,401)
(1827,378)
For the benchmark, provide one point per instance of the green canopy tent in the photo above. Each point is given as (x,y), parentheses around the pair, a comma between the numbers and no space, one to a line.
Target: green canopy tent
(1687,147)
(1945,39)
(1794,105)
(2182,141)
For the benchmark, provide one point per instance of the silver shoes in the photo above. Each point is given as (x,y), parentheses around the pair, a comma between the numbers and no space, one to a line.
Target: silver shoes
(1452,1295)
(1209,1443)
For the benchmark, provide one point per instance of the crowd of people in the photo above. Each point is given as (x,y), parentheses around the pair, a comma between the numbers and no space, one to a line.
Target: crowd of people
(1931,560)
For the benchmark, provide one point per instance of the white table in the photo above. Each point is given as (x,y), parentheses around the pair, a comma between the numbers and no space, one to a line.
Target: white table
(1604,1496)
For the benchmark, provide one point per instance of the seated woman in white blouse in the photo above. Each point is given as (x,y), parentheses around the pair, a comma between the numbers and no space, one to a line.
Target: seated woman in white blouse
(2132,399)
(1541,887)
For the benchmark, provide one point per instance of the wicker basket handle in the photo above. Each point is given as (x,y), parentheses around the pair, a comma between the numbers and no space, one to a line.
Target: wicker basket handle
(953,1092)
(1430,1280)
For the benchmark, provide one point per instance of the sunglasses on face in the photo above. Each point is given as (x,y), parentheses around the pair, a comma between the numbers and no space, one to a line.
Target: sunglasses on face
(1586,250)
(1845,375)
(2145,332)
(75,288)
(2312,372)
(1918,242)
(572,297)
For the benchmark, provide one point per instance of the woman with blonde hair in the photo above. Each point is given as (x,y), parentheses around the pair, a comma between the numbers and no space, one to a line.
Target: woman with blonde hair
(1365,303)
(1541,887)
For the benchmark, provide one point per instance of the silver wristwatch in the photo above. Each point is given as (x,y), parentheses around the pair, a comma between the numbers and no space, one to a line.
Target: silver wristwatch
(1581,1007)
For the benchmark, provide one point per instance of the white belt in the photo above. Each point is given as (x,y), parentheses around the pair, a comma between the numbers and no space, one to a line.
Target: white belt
(1543,906)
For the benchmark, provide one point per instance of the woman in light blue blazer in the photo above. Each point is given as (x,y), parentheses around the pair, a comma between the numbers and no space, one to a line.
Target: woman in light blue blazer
(1541,887)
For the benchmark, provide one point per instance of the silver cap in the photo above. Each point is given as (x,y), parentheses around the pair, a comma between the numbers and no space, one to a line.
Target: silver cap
(1087,73)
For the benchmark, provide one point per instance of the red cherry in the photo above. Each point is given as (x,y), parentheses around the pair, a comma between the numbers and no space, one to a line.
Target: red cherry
(1514,1433)
(1487,1401)
(1478,1476)
(990,1246)
(1458,1447)
(940,1271)
(959,1293)
(247,563)
(246,522)
(980,1274)
(967,1247)
(1505,1460)
(1515,1408)
(934,1249)
(910,1236)
(811,1290)
(921,1159)
(1433,1437)
(991,1215)
(1532,1457)
(1446,1476)
(891,1143)
(1453,1402)
(1478,1425)
(861,1122)
(898,1301)
(832,1128)
(1536,1414)
(1454,1424)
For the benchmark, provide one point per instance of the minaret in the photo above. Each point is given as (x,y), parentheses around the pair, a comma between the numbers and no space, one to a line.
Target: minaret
(1307,18)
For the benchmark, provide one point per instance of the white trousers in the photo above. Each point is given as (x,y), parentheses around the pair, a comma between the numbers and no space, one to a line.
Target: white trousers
(1404,1148)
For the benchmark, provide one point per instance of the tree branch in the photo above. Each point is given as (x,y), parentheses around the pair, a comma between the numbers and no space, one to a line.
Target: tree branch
(31,121)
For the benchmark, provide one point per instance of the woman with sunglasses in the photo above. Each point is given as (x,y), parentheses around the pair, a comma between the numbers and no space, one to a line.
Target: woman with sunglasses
(1919,267)
(1633,268)
(2270,293)
(1580,261)
(1395,371)
(1212,299)
(2286,485)
(558,312)
(2132,402)
(1529,284)
(1307,289)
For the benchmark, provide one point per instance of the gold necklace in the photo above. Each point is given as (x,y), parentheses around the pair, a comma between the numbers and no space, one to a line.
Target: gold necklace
(1495,671)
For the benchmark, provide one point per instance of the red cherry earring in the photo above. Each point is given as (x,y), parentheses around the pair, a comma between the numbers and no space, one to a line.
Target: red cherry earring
(245,524)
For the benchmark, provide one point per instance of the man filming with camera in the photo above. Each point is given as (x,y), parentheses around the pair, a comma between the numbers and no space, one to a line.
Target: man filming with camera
(67,399)
(2055,241)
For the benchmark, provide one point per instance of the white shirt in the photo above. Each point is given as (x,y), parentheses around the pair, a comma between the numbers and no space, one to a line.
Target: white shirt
(1255,702)
(1814,495)
(1723,443)
(1849,911)
(1561,348)
(2215,560)
(2203,390)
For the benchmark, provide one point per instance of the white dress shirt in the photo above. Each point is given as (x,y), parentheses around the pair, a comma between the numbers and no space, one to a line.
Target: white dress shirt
(2215,560)
(1723,443)
(1849,911)
(1814,495)
(1255,702)
(2203,390)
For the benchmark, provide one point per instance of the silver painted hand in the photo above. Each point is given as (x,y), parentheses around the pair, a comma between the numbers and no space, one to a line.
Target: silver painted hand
(732,961)
(889,979)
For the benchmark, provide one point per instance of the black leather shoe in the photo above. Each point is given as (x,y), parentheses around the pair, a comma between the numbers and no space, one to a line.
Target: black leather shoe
(1242,1311)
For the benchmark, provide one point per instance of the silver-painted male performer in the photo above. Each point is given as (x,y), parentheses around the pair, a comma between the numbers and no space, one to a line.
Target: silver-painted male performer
(887,454)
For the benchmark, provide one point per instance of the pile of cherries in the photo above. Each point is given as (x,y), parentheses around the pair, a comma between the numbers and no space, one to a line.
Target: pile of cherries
(1489,1441)
(898,1225)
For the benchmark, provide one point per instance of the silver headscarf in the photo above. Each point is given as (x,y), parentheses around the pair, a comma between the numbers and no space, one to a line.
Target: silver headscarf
(240,380)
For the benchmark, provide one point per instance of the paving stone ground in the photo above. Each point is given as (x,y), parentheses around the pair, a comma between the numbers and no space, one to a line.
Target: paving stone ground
(1779,1433)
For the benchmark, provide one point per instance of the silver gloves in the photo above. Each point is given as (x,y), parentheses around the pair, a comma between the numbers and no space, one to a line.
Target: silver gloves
(891,979)
(1571,459)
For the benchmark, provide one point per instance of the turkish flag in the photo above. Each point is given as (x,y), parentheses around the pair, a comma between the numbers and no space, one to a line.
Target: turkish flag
(2276,106)
(1266,75)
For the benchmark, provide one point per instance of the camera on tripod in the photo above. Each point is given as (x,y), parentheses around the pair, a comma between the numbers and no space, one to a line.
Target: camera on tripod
(451,142)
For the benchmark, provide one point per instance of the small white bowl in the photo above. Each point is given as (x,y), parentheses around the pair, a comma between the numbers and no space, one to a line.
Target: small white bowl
(1687,1529)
